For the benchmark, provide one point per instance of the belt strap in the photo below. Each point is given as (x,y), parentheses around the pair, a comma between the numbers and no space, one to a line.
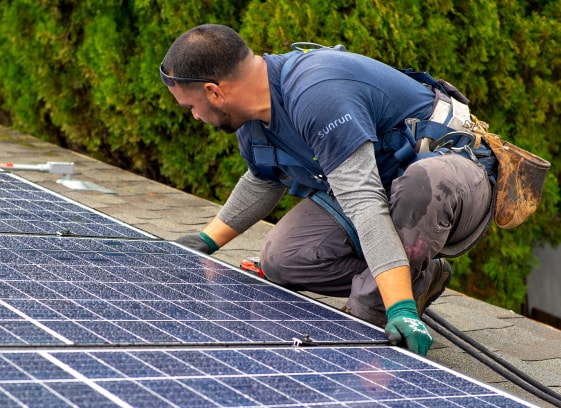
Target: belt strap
(330,204)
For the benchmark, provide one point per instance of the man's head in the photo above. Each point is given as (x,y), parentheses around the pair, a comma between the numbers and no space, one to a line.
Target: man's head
(197,64)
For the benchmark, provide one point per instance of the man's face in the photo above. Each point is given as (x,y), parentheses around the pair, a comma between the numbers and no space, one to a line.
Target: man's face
(201,107)
(222,121)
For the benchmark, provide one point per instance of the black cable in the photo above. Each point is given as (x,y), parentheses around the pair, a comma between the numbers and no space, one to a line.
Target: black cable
(504,368)
(490,354)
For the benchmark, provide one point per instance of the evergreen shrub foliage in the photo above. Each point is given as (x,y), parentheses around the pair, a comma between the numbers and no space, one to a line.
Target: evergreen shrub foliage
(84,74)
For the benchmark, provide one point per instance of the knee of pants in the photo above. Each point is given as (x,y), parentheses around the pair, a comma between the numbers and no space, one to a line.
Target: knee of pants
(304,246)
(284,261)
(301,261)
(269,260)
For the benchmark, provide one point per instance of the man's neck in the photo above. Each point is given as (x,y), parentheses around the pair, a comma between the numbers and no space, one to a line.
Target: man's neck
(253,94)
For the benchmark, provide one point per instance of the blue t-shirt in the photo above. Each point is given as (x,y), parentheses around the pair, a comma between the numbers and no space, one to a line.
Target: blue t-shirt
(332,102)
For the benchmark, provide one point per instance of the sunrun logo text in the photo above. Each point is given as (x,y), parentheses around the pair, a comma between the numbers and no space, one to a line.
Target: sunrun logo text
(333,125)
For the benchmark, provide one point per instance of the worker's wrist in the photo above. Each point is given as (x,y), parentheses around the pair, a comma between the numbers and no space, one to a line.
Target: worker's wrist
(213,246)
(403,308)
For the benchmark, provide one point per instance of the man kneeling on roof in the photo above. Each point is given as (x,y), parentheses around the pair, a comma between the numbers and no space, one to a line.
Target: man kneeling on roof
(346,132)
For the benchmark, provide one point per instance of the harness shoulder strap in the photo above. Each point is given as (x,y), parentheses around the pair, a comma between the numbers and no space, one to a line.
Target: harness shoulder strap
(276,152)
(423,77)
(264,153)
(267,157)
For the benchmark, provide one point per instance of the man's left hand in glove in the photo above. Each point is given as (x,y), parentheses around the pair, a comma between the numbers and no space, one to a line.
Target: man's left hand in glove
(199,242)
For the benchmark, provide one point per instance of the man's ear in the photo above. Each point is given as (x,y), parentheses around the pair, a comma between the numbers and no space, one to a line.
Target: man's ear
(215,94)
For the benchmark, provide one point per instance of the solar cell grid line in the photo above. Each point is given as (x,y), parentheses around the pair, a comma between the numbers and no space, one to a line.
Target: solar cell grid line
(69,290)
(28,208)
(342,376)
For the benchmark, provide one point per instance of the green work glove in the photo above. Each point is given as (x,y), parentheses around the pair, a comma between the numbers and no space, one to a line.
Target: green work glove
(406,328)
(201,242)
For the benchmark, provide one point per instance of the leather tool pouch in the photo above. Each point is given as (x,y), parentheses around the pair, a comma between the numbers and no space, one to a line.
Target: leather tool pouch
(520,179)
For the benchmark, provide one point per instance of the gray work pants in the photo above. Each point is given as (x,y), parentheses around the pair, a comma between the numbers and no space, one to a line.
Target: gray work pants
(440,206)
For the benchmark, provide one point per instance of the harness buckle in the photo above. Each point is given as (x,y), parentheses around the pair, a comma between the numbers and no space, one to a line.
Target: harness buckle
(457,139)
(467,149)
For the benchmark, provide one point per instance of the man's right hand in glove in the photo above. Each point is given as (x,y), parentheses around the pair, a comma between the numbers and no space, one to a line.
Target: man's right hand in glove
(199,242)
(405,328)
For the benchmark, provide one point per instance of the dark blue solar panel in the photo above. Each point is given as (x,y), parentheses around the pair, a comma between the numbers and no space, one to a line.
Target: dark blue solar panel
(205,334)
(225,377)
(27,208)
(86,291)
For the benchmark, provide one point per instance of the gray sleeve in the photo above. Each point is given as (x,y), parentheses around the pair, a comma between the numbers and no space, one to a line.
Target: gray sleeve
(251,200)
(357,186)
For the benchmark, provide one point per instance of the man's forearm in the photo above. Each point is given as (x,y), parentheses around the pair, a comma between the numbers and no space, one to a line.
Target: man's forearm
(251,200)
(358,189)
(395,285)
(220,232)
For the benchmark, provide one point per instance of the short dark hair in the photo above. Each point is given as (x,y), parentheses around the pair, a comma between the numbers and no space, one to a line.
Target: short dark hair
(210,51)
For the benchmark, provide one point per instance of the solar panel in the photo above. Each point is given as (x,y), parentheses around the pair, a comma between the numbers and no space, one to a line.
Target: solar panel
(130,320)
(63,290)
(28,208)
(243,377)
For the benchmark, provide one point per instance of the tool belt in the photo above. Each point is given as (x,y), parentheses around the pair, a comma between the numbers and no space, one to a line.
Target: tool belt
(520,175)
(520,178)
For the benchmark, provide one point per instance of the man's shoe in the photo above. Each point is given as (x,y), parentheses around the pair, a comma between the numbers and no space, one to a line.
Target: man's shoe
(439,280)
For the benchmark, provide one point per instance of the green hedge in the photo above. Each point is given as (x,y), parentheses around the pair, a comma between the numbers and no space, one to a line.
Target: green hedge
(83,74)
